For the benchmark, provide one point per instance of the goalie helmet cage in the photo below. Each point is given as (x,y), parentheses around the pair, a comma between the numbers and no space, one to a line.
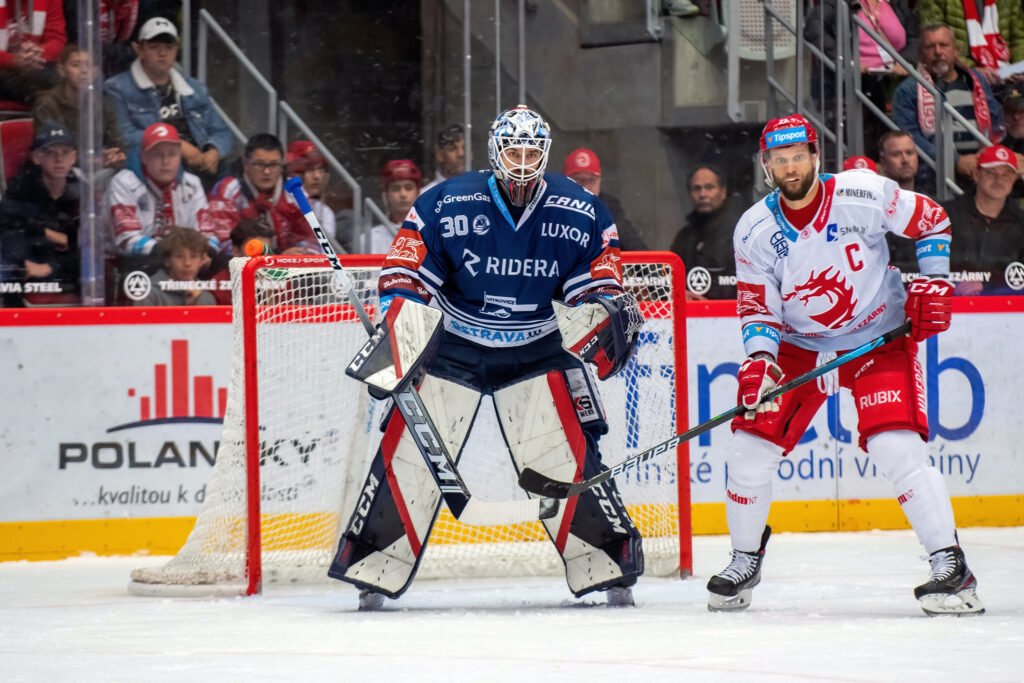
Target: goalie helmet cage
(299,434)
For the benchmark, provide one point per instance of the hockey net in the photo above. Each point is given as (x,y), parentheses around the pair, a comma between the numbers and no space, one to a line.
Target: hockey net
(302,433)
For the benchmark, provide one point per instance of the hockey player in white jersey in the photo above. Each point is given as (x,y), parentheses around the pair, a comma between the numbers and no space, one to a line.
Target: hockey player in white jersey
(813,279)
(498,252)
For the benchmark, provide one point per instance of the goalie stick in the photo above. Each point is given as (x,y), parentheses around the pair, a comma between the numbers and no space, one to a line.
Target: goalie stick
(463,506)
(542,485)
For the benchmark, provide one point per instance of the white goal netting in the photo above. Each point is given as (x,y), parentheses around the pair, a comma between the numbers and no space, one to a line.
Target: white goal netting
(314,431)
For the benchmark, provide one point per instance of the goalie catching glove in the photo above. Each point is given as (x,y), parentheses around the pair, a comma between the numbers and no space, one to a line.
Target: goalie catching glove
(403,344)
(601,330)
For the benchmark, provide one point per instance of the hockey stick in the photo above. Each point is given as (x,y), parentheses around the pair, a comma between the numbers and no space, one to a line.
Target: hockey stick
(537,483)
(464,507)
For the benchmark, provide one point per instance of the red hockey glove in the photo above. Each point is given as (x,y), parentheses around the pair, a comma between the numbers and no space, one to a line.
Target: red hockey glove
(757,377)
(929,306)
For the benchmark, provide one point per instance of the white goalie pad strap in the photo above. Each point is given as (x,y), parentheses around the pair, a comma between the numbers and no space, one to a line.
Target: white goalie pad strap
(408,333)
(579,324)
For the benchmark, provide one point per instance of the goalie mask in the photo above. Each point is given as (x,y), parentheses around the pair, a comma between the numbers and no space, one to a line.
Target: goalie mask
(789,130)
(517,147)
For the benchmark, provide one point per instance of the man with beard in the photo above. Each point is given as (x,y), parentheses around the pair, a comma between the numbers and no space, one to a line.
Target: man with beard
(813,281)
(913,107)
(897,159)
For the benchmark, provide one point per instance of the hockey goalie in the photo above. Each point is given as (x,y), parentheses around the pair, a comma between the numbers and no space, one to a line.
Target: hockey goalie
(491,250)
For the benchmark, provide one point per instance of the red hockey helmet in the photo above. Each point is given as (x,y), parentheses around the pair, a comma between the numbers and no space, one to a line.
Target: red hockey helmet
(789,130)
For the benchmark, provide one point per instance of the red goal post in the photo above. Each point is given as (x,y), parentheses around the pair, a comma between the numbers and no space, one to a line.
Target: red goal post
(299,434)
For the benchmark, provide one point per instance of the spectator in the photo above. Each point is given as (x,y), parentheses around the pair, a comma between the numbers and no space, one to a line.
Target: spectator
(39,216)
(152,195)
(306,161)
(860,163)
(897,158)
(152,90)
(913,108)
(247,229)
(119,20)
(400,186)
(31,38)
(1013,111)
(705,242)
(583,166)
(60,103)
(256,191)
(177,283)
(449,155)
(895,21)
(987,229)
(989,50)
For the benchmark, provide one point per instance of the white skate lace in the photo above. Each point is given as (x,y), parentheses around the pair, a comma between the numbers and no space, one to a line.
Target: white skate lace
(828,383)
(741,568)
(943,563)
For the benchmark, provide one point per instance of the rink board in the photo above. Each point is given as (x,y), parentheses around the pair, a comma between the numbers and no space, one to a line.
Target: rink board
(122,466)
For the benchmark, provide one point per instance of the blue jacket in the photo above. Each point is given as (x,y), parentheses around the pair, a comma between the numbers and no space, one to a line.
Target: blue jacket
(137,104)
(904,113)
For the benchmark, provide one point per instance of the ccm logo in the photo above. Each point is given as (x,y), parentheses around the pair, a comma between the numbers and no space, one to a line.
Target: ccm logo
(930,287)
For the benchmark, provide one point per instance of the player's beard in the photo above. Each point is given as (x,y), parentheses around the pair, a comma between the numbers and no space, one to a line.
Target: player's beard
(797,192)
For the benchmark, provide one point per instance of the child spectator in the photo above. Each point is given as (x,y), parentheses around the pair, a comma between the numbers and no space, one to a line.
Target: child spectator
(154,193)
(306,161)
(153,91)
(118,21)
(449,155)
(400,183)
(31,38)
(39,218)
(176,284)
(246,230)
(256,191)
(60,103)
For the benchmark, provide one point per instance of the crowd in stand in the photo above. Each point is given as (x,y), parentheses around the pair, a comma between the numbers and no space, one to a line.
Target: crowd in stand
(179,200)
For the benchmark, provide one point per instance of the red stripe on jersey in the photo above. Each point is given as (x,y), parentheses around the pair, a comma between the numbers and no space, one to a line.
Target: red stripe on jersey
(388,445)
(577,444)
(392,315)
(750,299)
(407,250)
(608,264)
(927,216)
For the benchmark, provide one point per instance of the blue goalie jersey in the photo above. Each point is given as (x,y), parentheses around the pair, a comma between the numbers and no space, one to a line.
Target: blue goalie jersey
(493,276)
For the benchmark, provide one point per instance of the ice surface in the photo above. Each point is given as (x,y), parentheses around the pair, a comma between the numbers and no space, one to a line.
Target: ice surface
(832,607)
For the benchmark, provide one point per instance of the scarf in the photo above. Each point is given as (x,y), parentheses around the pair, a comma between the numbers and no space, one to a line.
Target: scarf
(18,23)
(987,46)
(117,20)
(926,105)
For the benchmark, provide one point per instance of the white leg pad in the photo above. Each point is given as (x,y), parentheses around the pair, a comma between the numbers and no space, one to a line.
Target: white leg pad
(752,463)
(920,489)
(388,568)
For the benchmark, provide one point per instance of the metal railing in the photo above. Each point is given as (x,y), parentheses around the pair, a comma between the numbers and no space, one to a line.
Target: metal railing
(847,128)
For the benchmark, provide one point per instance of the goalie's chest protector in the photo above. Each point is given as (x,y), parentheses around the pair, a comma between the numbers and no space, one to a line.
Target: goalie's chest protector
(500,274)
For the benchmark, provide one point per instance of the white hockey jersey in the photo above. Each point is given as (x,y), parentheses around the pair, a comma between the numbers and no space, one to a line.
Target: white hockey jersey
(828,286)
(140,213)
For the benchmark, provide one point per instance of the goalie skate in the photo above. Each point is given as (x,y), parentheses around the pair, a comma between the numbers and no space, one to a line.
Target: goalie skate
(620,596)
(951,588)
(370,601)
(730,589)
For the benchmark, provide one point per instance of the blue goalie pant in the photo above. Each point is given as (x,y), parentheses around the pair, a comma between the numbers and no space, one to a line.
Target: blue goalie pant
(551,419)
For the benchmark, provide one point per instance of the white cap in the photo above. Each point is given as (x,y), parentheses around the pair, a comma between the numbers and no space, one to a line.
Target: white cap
(157,26)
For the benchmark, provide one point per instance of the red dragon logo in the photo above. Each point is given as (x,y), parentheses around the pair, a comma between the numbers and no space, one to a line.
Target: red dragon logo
(835,290)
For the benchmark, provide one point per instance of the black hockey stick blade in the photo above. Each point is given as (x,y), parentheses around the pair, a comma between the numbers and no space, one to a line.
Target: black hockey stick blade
(542,485)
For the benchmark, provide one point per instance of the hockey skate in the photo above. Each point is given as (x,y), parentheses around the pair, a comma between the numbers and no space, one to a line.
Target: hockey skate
(730,589)
(370,601)
(620,596)
(951,588)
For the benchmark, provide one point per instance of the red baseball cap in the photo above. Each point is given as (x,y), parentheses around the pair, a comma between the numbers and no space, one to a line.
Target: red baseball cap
(400,169)
(581,160)
(157,133)
(997,155)
(860,164)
